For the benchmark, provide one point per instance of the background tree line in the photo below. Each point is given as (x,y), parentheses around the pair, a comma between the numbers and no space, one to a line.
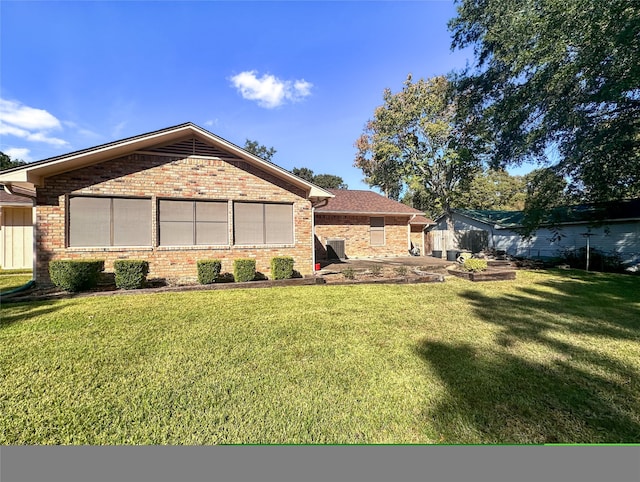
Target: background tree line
(327,181)
(555,83)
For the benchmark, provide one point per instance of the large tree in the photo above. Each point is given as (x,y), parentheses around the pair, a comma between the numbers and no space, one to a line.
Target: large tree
(7,163)
(412,139)
(495,189)
(555,79)
(257,149)
(327,181)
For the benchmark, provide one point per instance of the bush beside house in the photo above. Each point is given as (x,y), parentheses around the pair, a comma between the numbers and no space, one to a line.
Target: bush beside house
(130,274)
(75,275)
(244,269)
(282,267)
(209,271)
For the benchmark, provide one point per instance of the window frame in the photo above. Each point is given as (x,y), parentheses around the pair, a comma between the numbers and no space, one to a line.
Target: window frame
(265,220)
(377,229)
(112,222)
(194,222)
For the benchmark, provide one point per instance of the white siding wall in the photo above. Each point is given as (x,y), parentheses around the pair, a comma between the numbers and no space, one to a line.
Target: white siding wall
(621,238)
(16,238)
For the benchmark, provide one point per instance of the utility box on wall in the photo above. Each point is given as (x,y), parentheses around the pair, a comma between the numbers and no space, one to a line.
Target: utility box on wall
(335,248)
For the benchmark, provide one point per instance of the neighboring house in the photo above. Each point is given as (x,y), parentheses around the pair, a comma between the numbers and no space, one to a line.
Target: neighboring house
(16,231)
(360,224)
(172,197)
(612,228)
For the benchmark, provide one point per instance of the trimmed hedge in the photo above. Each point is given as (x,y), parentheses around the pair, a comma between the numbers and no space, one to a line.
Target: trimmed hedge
(131,274)
(244,269)
(474,265)
(282,267)
(75,275)
(208,271)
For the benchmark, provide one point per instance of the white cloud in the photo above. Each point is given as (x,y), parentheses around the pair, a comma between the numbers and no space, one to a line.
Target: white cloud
(211,122)
(28,123)
(268,90)
(18,153)
(27,117)
(42,137)
(12,131)
(31,136)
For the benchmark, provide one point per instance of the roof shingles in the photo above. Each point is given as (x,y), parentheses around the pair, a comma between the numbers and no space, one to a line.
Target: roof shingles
(350,201)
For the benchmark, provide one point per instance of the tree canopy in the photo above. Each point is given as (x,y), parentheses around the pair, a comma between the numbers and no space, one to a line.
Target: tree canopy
(327,181)
(495,189)
(7,163)
(555,79)
(412,141)
(257,149)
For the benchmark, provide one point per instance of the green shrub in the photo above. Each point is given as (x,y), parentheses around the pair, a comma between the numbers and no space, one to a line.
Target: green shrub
(401,270)
(473,264)
(75,275)
(130,274)
(598,260)
(349,273)
(208,271)
(282,267)
(244,269)
(376,270)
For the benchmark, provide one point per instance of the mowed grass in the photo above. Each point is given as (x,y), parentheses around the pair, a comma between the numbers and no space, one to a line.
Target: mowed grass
(552,357)
(11,279)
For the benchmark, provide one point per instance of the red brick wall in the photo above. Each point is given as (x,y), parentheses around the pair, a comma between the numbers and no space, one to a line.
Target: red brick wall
(417,238)
(355,231)
(167,177)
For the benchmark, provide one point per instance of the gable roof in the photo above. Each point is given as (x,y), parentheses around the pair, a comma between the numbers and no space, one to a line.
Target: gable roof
(187,138)
(7,199)
(348,201)
(421,220)
(625,210)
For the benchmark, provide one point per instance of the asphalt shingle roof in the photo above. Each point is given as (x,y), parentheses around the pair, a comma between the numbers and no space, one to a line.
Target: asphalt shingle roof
(351,201)
(12,198)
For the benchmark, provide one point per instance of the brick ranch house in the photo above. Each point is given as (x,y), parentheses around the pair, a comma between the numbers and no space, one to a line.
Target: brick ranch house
(361,224)
(171,197)
(178,195)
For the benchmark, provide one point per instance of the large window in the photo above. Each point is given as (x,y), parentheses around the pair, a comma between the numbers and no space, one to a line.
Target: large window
(376,228)
(108,221)
(187,223)
(263,223)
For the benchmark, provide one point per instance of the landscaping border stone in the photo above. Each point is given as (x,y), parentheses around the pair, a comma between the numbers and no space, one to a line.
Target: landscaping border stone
(489,275)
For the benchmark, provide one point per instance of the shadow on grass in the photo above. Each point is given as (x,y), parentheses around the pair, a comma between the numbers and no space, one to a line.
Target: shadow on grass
(545,378)
(15,312)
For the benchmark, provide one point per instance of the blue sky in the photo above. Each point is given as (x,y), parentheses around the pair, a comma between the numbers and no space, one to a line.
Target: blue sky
(302,77)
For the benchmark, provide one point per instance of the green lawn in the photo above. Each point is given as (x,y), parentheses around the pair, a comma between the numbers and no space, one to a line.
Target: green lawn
(11,279)
(550,357)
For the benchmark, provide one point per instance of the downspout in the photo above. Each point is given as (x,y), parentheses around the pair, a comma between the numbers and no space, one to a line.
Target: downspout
(322,203)
(9,190)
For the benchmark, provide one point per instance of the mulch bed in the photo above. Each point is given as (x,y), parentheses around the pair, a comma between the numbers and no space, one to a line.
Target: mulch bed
(488,275)
(346,276)
(386,275)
